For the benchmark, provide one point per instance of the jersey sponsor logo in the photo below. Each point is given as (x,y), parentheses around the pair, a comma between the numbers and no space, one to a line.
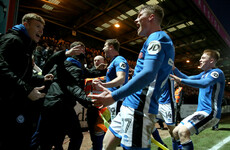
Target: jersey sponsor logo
(215,74)
(122,65)
(20,119)
(154,47)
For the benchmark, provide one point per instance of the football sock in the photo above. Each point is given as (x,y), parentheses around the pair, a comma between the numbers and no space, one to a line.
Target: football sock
(157,137)
(188,145)
(175,144)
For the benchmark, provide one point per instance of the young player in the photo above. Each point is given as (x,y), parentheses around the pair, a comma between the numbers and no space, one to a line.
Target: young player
(211,84)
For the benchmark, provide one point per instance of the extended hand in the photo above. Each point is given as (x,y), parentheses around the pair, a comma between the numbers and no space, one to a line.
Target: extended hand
(177,79)
(76,50)
(101,66)
(104,99)
(96,83)
(35,94)
(48,77)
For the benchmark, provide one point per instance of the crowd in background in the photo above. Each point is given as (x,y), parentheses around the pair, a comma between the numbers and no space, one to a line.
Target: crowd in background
(48,46)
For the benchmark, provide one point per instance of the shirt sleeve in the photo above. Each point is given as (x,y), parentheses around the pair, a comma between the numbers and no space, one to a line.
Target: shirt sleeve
(142,79)
(198,83)
(184,76)
(121,65)
(211,79)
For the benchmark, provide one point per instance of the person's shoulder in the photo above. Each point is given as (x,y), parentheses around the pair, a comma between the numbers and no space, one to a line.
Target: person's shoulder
(217,70)
(122,58)
(216,73)
(11,34)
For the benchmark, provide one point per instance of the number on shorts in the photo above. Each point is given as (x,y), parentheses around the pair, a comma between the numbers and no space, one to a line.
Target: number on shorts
(126,123)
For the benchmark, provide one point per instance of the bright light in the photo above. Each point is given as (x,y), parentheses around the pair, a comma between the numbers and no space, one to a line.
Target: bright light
(117,25)
(45,6)
(54,1)
(187,61)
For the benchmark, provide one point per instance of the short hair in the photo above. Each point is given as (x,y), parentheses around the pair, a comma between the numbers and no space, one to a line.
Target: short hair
(32,16)
(212,53)
(76,43)
(154,9)
(114,42)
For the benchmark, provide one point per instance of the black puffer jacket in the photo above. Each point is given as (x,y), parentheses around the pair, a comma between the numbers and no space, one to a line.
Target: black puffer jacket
(16,70)
(68,84)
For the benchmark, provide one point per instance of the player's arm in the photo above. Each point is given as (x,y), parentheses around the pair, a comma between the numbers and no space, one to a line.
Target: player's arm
(199,83)
(184,76)
(142,79)
(202,83)
(118,81)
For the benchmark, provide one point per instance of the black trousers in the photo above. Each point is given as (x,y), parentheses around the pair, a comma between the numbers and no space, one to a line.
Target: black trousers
(56,122)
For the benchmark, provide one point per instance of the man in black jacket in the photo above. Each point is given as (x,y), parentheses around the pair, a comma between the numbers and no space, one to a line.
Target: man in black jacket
(58,117)
(20,89)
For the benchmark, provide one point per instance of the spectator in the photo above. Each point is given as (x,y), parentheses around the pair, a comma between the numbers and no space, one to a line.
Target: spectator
(39,59)
(20,90)
(96,134)
(58,117)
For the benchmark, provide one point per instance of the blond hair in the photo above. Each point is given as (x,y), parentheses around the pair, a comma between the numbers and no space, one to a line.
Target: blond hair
(212,53)
(32,16)
(154,9)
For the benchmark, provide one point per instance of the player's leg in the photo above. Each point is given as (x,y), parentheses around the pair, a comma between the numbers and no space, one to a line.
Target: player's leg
(156,136)
(113,136)
(184,134)
(155,132)
(137,128)
(110,141)
(192,124)
(175,141)
(167,112)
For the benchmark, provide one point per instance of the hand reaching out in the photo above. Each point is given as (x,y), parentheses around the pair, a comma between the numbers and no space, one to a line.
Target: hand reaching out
(104,99)
(35,94)
(76,50)
(96,83)
(101,66)
(177,79)
(48,77)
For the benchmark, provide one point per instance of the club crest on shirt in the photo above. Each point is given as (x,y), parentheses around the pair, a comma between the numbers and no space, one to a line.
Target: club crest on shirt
(122,65)
(154,47)
(215,74)
(20,119)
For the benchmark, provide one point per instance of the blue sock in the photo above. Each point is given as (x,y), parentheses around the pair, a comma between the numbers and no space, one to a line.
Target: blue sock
(188,145)
(157,137)
(98,142)
(175,144)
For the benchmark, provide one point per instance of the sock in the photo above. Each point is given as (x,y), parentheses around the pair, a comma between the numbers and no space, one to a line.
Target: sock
(178,144)
(188,145)
(98,142)
(157,137)
(175,144)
